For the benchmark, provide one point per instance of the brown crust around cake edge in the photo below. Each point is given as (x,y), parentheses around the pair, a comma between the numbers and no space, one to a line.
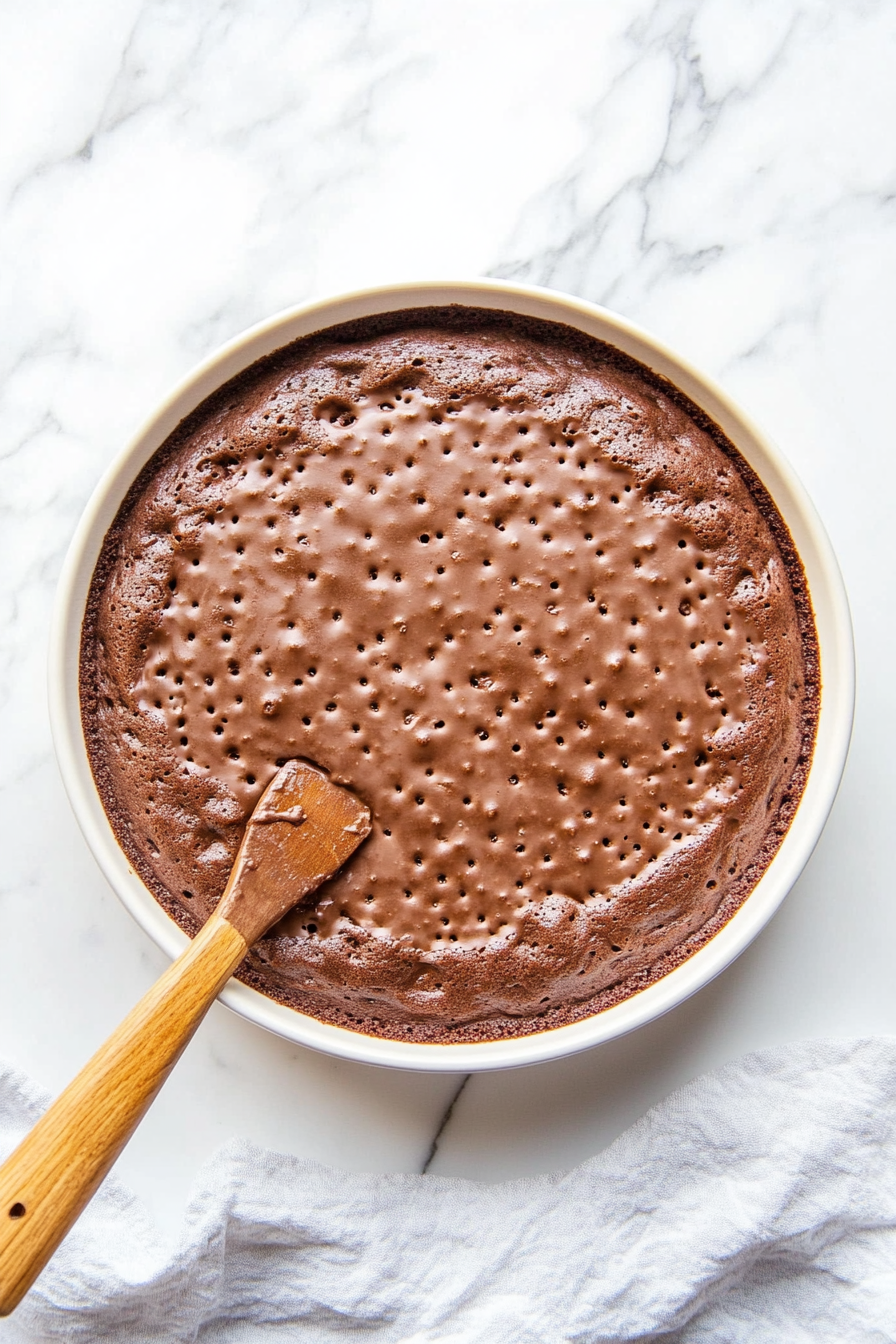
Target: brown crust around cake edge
(456,316)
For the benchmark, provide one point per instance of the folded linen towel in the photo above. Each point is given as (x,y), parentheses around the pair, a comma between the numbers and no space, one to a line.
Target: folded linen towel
(756,1204)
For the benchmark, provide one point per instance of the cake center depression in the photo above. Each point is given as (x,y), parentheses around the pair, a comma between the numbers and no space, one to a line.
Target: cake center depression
(458,604)
(536,622)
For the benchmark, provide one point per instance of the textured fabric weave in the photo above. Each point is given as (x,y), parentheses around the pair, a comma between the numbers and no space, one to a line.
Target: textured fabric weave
(756,1204)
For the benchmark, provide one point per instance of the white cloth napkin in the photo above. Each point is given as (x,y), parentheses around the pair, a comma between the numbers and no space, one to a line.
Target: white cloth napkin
(756,1204)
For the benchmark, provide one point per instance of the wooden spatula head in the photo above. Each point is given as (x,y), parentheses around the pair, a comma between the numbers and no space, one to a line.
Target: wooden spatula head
(301,832)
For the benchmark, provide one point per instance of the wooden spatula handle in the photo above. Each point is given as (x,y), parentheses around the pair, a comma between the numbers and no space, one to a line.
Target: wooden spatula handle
(49,1178)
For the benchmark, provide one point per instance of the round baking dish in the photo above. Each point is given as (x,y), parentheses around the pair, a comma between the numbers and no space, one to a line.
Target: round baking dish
(825,587)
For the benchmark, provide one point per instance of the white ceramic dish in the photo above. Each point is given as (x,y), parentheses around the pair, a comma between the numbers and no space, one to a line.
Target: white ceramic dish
(825,585)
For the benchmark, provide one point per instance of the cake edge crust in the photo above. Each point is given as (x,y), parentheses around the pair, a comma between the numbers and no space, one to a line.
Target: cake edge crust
(458,316)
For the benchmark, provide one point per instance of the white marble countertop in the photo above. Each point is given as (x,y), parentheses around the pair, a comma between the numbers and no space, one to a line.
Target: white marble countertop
(720,171)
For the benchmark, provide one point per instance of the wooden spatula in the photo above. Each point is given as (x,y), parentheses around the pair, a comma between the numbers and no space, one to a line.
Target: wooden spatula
(301,832)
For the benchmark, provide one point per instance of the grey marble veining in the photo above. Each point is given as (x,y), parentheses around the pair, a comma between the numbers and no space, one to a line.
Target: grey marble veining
(721,171)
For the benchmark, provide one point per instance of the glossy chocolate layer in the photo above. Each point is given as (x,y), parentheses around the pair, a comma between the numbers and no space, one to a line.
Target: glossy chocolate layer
(509,588)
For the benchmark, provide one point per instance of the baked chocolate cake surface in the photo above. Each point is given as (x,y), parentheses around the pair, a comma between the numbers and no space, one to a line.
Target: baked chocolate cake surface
(516,592)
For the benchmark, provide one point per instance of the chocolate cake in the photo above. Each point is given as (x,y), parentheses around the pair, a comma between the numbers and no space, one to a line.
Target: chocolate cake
(518,593)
